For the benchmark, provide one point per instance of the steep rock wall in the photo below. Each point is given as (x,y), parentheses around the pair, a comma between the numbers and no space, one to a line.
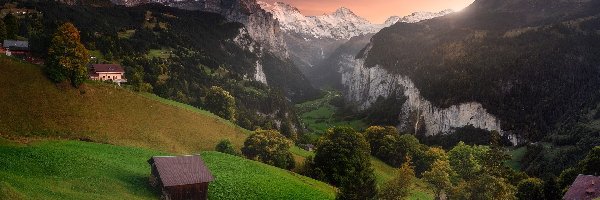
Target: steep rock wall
(363,86)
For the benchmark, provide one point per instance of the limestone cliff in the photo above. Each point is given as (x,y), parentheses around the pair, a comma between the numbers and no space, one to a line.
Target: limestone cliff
(363,86)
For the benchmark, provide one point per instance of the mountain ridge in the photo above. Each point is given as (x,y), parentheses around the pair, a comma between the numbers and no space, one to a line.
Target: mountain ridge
(342,24)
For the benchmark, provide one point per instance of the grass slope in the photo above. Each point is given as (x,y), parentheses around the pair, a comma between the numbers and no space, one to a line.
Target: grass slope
(319,115)
(383,174)
(32,106)
(81,170)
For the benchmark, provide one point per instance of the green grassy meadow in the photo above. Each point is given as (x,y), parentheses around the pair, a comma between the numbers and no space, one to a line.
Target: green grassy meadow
(516,155)
(82,170)
(159,53)
(319,115)
(34,107)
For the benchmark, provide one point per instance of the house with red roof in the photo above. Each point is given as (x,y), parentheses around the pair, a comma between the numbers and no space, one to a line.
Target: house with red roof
(585,187)
(107,72)
(180,177)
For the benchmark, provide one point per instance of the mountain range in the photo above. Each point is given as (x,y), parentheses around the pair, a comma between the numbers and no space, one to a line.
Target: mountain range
(342,24)
(313,42)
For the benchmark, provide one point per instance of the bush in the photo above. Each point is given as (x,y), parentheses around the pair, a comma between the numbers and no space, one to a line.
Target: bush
(225,146)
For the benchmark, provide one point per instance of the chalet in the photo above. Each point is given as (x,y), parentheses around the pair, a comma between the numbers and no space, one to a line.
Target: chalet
(107,72)
(180,177)
(15,47)
(585,187)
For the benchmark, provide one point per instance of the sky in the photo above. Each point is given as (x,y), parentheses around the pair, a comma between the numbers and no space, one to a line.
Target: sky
(376,11)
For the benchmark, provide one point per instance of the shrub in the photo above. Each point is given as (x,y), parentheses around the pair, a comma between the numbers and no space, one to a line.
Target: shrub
(225,146)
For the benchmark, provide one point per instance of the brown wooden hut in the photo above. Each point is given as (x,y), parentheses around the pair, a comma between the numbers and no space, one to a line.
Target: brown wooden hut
(585,187)
(180,177)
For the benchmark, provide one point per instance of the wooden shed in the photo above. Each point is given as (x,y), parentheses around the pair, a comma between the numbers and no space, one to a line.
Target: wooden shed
(585,187)
(180,177)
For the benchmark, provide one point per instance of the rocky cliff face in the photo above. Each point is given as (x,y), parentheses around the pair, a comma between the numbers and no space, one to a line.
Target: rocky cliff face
(363,86)
(260,24)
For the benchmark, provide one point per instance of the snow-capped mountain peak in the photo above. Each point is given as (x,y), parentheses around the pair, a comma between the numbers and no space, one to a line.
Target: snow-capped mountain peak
(417,17)
(343,11)
(341,24)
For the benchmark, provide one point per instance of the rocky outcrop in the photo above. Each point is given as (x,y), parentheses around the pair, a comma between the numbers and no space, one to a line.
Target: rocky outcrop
(260,73)
(364,85)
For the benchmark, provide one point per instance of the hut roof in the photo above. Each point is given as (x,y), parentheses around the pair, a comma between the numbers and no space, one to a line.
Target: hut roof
(583,188)
(181,170)
(16,45)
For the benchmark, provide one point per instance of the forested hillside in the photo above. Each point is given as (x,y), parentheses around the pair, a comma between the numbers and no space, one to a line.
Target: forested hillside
(180,55)
(533,64)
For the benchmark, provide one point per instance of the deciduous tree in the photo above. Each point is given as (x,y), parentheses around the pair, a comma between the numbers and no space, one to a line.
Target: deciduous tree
(270,147)
(439,176)
(67,57)
(221,103)
(342,159)
(466,160)
(399,187)
(531,189)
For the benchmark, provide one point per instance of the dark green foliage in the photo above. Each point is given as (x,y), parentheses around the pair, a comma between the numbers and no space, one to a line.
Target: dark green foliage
(342,159)
(552,190)
(225,146)
(269,147)
(468,135)
(38,36)
(495,157)
(409,146)
(590,165)
(566,178)
(385,110)
(221,103)
(532,79)
(3,34)
(466,160)
(383,142)
(531,189)
(199,53)
(12,26)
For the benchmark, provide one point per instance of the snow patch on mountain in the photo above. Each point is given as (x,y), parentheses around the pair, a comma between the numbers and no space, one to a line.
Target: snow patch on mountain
(417,17)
